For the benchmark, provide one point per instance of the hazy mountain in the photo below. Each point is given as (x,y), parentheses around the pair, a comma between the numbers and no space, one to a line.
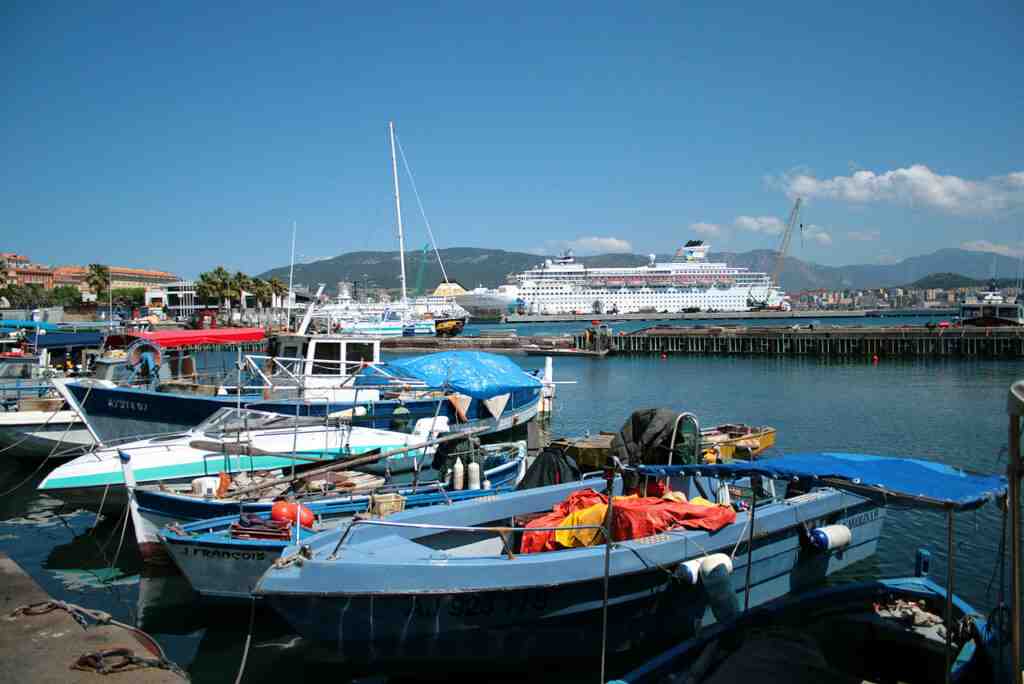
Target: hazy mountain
(471,267)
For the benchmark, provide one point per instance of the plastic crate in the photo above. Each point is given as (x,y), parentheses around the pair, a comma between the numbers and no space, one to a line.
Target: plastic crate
(382,505)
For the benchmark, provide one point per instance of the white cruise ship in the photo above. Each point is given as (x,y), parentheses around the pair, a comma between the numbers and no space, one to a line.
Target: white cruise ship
(689,283)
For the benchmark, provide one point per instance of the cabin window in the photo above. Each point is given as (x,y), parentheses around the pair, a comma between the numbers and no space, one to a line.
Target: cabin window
(359,351)
(327,352)
(16,371)
(290,352)
(988,311)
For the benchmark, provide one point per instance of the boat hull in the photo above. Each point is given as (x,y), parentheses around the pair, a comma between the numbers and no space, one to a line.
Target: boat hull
(556,620)
(32,440)
(118,414)
(978,664)
(222,568)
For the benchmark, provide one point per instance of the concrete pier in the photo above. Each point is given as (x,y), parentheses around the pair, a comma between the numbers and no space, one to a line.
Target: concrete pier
(42,648)
(844,341)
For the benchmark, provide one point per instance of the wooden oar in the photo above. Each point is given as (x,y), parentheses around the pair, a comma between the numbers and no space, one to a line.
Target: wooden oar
(366,459)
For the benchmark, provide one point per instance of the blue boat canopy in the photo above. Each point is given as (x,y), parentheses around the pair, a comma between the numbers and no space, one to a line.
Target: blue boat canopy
(480,375)
(907,481)
(58,340)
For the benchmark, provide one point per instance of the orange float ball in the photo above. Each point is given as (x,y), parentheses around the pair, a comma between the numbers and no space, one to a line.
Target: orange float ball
(289,510)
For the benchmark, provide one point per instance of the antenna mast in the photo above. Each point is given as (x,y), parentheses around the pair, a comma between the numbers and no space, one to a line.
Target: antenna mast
(398,208)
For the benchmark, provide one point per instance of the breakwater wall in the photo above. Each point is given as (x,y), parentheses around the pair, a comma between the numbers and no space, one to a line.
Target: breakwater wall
(846,341)
(702,316)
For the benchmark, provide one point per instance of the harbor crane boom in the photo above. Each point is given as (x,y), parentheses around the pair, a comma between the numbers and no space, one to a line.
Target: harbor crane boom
(756,303)
(794,215)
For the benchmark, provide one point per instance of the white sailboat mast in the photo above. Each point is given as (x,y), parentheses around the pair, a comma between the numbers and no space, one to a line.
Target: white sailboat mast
(291,274)
(398,208)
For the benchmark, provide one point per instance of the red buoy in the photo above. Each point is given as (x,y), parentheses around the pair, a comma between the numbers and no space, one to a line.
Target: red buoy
(289,510)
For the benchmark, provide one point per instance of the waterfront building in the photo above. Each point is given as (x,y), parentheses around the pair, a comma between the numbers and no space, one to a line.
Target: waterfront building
(19,270)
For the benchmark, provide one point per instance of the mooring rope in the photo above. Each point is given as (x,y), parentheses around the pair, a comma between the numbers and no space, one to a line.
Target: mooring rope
(96,661)
(248,640)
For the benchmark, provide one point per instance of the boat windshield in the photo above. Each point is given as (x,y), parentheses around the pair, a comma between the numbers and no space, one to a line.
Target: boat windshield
(231,420)
(16,369)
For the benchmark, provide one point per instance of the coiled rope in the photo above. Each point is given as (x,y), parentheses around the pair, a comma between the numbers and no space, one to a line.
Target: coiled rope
(97,661)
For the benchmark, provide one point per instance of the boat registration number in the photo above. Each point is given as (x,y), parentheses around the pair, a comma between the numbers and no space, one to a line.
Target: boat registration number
(221,554)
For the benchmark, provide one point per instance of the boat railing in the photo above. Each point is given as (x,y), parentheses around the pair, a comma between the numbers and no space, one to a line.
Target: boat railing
(281,367)
(502,531)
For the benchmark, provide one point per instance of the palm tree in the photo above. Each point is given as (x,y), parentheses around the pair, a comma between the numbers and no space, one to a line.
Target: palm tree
(277,288)
(214,285)
(98,279)
(261,290)
(239,284)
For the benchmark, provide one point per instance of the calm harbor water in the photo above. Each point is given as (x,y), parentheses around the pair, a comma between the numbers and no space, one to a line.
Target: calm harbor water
(951,411)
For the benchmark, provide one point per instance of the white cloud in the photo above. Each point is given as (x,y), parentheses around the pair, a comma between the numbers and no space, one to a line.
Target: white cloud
(761,224)
(915,185)
(995,248)
(864,235)
(709,229)
(593,245)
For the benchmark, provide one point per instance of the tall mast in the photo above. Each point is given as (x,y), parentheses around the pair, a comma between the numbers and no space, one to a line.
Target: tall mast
(291,274)
(398,208)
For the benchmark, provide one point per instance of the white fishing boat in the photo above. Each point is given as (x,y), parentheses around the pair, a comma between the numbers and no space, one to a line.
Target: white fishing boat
(231,441)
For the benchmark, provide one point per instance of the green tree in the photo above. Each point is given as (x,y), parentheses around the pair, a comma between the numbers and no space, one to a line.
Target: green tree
(214,285)
(130,296)
(239,283)
(98,278)
(277,288)
(67,296)
(262,291)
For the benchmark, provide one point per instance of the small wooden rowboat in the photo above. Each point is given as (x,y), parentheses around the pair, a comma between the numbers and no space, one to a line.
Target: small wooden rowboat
(723,443)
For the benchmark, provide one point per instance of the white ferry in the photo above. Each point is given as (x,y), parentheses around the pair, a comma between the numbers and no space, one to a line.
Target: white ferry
(687,284)
(992,310)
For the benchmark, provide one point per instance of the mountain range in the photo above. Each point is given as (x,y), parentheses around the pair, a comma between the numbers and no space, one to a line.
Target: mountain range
(471,267)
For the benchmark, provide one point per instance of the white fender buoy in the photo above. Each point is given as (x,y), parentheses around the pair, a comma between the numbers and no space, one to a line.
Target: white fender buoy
(723,496)
(473,476)
(715,575)
(689,571)
(831,537)
(457,473)
(717,562)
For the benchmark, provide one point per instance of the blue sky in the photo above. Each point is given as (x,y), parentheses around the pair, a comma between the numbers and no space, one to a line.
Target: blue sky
(181,136)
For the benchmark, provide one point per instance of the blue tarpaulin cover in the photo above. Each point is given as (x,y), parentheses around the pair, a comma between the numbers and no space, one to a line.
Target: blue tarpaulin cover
(57,340)
(913,481)
(31,325)
(480,375)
